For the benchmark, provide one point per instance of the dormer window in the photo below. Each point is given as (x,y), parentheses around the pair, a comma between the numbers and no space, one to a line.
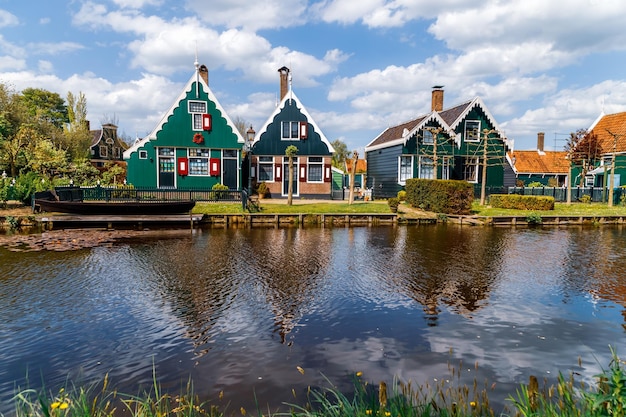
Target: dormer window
(428,137)
(198,111)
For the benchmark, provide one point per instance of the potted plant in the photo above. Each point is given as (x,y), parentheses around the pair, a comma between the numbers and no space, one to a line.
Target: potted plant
(262,190)
(393,202)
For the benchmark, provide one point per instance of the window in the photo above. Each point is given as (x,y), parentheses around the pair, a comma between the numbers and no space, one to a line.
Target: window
(103,152)
(470,170)
(198,161)
(166,151)
(197,109)
(116,152)
(294,130)
(266,168)
(428,137)
(315,166)
(427,168)
(472,130)
(143,154)
(445,168)
(406,168)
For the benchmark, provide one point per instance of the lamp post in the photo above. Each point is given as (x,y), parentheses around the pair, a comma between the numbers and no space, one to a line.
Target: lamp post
(249,139)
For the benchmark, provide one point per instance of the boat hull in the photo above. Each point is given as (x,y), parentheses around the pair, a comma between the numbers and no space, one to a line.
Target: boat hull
(116,208)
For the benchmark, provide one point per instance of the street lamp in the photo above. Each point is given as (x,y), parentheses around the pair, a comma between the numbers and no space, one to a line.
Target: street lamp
(250,133)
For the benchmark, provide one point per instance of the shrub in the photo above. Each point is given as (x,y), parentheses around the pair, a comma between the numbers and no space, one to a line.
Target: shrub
(219,191)
(402,195)
(393,202)
(586,198)
(521,202)
(535,184)
(262,189)
(534,218)
(440,196)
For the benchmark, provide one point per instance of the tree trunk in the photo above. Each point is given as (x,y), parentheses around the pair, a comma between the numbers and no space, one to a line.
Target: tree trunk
(290,186)
(355,159)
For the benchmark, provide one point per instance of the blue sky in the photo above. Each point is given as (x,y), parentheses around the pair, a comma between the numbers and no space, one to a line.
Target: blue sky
(357,66)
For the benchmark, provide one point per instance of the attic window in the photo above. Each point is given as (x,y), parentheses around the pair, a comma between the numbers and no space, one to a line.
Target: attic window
(197,109)
(472,131)
(428,136)
(143,154)
(294,130)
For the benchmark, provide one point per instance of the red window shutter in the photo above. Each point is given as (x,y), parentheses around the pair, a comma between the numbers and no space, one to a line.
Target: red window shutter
(214,166)
(304,130)
(328,173)
(278,172)
(303,171)
(183,166)
(207,122)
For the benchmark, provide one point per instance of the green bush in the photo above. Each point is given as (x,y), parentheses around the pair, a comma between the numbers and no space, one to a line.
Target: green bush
(402,195)
(393,203)
(440,196)
(535,184)
(521,202)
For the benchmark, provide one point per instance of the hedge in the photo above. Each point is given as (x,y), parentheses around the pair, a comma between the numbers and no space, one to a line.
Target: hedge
(440,196)
(521,202)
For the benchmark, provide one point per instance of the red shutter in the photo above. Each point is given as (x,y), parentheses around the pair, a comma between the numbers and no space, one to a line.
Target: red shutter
(214,166)
(328,173)
(183,166)
(207,122)
(278,172)
(303,171)
(304,130)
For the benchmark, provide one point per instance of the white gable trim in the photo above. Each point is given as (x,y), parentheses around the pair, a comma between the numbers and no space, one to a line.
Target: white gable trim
(183,94)
(292,96)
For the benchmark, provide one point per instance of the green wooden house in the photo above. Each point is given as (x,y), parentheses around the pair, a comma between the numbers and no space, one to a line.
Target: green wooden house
(195,145)
(448,143)
(610,131)
(291,124)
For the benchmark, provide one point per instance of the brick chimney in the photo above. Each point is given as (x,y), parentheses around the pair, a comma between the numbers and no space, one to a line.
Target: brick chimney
(204,73)
(437,100)
(540,141)
(284,81)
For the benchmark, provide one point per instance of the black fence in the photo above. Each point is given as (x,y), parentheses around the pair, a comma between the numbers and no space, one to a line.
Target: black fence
(145,194)
(592,194)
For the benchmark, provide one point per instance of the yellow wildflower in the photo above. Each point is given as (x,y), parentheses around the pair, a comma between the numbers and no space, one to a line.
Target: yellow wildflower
(473,403)
(300,370)
(368,412)
(387,414)
(359,374)
(55,405)
(63,406)
(243,411)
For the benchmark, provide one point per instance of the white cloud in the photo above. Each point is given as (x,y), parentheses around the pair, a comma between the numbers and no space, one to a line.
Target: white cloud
(53,48)
(9,63)
(268,14)
(8,19)
(44,20)
(45,67)
(137,4)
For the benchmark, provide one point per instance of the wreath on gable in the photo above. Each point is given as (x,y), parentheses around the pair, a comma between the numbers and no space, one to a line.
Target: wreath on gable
(198,138)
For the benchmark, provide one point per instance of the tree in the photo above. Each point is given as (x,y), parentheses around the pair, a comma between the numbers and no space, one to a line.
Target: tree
(341,154)
(46,106)
(355,160)
(77,136)
(583,149)
(290,152)
(46,159)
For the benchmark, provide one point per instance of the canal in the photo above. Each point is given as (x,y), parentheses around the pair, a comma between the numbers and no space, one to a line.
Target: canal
(241,310)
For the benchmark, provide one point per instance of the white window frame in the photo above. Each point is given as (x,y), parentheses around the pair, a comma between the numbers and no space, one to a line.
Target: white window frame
(428,137)
(143,154)
(471,162)
(104,151)
(265,161)
(196,114)
(423,164)
(198,163)
(469,136)
(315,161)
(293,129)
(445,168)
(407,175)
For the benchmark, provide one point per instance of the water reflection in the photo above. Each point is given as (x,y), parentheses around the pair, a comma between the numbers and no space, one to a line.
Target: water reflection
(239,309)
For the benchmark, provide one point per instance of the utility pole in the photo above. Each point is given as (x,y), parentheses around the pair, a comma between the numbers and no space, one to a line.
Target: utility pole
(612,177)
(435,132)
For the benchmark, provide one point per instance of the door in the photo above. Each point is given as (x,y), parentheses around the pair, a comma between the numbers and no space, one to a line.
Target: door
(286,177)
(230,169)
(167,168)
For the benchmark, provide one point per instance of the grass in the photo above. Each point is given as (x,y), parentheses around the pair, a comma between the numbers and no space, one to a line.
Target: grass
(447,398)
(560,209)
(379,206)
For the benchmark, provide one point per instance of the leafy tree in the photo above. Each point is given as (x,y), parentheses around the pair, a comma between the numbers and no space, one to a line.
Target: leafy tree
(45,106)
(113,173)
(355,160)
(46,159)
(290,152)
(341,154)
(584,150)
(77,137)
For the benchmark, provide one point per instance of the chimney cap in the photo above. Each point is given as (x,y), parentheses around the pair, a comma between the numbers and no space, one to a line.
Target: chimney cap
(283,69)
(437,87)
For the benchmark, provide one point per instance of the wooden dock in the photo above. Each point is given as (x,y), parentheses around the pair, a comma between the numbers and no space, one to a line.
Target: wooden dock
(109,222)
(300,219)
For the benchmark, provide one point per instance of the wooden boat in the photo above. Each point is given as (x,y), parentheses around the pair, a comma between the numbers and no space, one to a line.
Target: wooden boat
(114,207)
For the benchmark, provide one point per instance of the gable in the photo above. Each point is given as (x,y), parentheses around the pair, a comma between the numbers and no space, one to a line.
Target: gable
(290,112)
(176,129)
(611,132)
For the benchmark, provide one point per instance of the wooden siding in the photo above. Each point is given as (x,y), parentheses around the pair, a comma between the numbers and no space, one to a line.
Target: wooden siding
(382,166)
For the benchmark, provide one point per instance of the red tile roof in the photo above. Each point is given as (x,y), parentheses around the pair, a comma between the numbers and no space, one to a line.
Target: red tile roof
(611,132)
(361,165)
(535,162)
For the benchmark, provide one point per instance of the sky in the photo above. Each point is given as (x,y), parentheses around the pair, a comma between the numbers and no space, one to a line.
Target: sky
(358,66)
